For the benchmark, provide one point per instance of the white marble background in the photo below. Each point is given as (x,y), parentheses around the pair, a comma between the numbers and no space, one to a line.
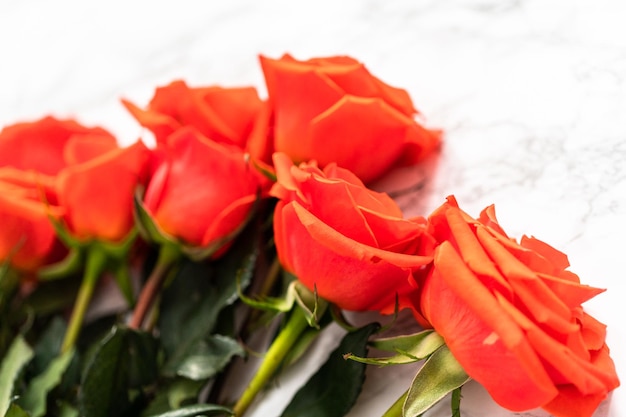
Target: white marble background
(531,94)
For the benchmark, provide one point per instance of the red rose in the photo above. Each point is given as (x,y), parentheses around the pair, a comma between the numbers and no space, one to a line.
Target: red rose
(348,242)
(27,238)
(333,110)
(511,315)
(41,145)
(31,155)
(224,115)
(203,191)
(97,193)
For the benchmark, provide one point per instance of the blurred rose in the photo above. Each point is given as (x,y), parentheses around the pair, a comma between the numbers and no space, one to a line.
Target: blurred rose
(97,192)
(348,242)
(333,110)
(31,155)
(203,191)
(27,238)
(511,315)
(223,115)
(41,145)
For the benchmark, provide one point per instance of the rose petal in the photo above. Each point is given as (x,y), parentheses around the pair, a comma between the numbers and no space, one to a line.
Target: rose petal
(353,275)
(40,145)
(82,148)
(98,194)
(162,125)
(489,344)
(27,237)
(201,180)
(368,122)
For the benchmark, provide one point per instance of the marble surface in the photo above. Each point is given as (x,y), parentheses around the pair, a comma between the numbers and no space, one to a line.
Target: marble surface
(531,95)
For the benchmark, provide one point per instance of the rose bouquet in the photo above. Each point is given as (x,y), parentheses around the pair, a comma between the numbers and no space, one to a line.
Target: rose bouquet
(252,219)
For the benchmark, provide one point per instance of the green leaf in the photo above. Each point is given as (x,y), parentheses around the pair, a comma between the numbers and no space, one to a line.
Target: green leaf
(48,346)
(18,355)
(440,375)
(409,348)
(35,397)
(197,410)
(125,359)
(67,410)
(334,389)
(172,395)
(455,402)
(192,303)
(208,356)
(15,411)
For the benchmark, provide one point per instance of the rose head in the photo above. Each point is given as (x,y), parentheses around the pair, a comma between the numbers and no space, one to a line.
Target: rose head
(333,110)
(97,191)
(41,145)
(349,243)
(511,315)
(203,191)
(223,115)
(27,237)
(32,154)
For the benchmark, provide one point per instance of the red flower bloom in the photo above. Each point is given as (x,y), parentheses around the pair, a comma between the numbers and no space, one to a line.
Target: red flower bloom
(31,155)
(333,110)
(348,242)
(41,145)
(203,191)
(511,315)
(97,194)
(223,115)
(27,238)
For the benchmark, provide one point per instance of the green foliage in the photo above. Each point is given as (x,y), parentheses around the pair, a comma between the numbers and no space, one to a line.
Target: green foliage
(172,395)
(35,397)
(16,358)
(171,371)
(440,375)
(334,389)
(206,357)
(190,308)
(124,362)
(15,411)
(408,348)
(197,410)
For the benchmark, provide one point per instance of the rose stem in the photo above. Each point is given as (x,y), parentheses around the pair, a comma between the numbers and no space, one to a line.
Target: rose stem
(168,254)
(270,278)
(396,409)
(96,261)
(249,317)
(266,287)
(273,357)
